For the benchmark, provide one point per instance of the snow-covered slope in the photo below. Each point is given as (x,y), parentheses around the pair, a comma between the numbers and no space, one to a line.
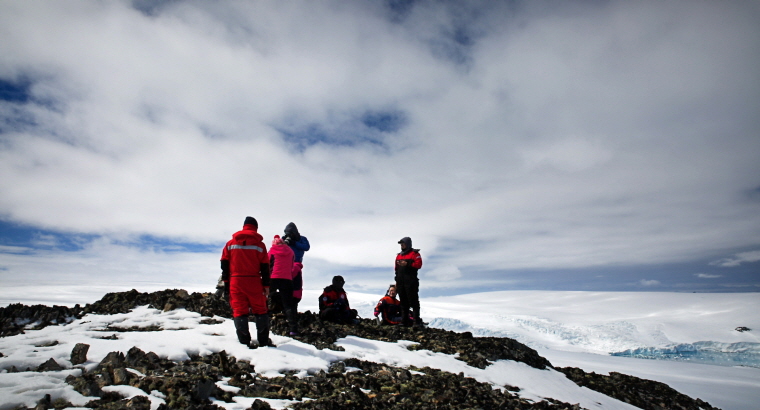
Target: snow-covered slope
(569,328)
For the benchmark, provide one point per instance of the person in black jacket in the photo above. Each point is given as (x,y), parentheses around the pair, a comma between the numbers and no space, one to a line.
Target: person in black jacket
(333,304)
(408,262)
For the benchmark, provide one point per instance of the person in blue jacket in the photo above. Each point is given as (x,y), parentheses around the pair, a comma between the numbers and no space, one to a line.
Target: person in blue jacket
(299,244)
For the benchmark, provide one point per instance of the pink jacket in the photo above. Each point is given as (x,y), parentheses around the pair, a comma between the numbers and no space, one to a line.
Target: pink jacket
(281,261)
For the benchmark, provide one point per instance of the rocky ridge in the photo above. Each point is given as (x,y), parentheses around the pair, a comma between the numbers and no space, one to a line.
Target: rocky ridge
(367,385)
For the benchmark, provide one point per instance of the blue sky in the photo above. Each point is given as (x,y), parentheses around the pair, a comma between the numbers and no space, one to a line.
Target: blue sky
(522,145)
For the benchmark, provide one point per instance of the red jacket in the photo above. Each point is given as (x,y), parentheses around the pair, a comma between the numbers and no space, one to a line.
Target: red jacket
(281,262)
(245,255)
(333,297)
(413,263)
(391,310)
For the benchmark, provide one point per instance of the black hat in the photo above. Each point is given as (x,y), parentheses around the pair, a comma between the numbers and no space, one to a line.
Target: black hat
(338,281)
(407,240)
(249,220)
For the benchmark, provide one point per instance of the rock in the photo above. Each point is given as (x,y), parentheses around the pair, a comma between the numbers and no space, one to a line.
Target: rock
(120,376)
(259,404)
(79,353)
(112,360)
(16,317)
(743,329)
(49,366)
(86,385)
(642,393)
(141,361)
(44,403)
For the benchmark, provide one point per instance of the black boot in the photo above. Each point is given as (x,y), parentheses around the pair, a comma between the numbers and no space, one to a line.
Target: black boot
(417,318)
(292,318)
(241,327)
(262,330)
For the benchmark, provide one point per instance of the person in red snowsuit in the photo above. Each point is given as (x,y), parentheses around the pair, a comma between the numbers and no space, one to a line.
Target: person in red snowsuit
(245,271)
(389,308)
(408,262)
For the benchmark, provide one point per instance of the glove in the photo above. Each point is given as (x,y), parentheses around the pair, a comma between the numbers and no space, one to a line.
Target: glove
(227,291)
(287,239)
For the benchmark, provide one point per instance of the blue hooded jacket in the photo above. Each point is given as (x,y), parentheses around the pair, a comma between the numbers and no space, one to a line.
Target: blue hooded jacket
(298,243)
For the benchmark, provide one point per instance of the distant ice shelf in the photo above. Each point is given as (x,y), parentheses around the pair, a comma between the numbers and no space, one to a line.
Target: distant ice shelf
(722,354)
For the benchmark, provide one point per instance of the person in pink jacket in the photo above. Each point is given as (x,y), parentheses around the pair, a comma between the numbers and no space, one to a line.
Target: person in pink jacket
(281,280)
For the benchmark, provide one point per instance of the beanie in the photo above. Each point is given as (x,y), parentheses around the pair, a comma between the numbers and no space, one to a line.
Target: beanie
(338,281)
(276,240)
(249,220)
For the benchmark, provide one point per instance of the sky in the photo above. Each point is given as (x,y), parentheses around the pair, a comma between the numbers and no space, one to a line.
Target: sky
(582,333)
(580,145)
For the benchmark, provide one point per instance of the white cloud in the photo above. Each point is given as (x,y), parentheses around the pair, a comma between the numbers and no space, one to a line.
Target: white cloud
(649,282)
(575,136)
(738,259)
(444,273)
(707,276)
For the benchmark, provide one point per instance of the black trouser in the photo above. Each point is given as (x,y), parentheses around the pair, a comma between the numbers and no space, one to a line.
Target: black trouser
(338,315)
(262,329)
(408,288)
(283,289)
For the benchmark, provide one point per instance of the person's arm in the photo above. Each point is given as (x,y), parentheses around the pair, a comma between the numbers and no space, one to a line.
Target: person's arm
(302,244)
(325,301)
(417,261)
(225,270)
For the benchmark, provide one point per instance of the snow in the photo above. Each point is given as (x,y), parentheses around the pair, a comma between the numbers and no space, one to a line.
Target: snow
(579,329)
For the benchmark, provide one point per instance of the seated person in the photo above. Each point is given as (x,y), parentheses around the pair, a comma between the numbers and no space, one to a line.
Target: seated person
(389,308)
(333,304)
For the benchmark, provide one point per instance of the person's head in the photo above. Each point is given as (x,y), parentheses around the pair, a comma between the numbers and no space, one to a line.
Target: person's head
(291,229)
(338,281)
(277,240)
(391,291)
(406,243)
(249,220)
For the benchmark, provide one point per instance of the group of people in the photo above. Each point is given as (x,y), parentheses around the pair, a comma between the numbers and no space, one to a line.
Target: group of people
(253,278)
(251,275)
(334,306)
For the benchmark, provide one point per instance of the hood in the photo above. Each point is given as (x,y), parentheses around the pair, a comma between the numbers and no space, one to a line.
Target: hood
(292,230)
(408,241)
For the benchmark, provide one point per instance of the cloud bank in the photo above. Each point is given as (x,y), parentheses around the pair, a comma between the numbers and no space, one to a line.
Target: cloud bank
(500,136)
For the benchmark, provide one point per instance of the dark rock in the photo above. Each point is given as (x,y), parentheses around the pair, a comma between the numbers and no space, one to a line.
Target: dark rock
(116,402)
(743,329)
(16,317)
(44,403)
(86,384)
(260,405)
(642,393)
(112,360)
(475,351)
(49,366)
(120,376)
(141,361)
(108,400)
(79,353)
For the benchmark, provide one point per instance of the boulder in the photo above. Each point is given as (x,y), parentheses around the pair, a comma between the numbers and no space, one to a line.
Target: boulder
(79,353)
(49,366)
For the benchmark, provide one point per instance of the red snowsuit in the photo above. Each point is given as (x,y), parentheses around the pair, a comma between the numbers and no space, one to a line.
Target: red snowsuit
(390,309)
(247,272)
